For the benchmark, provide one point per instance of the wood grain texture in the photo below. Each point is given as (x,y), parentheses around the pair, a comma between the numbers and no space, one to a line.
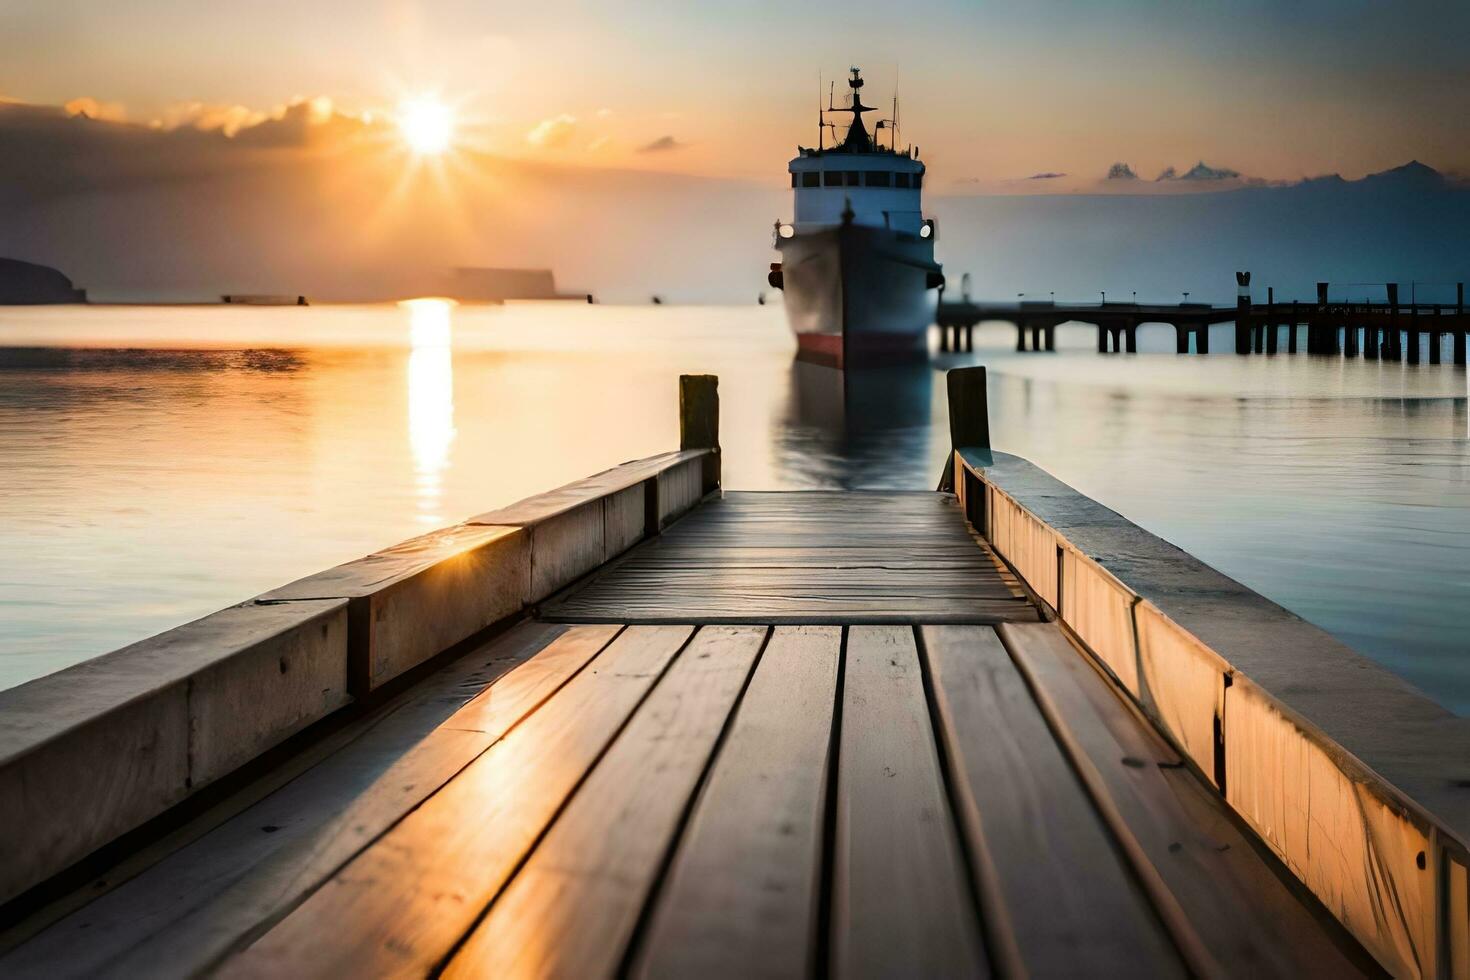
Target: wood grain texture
(1051,883)
(805,557)
(901,904)
(402,904)
(192,906)
(1226,922)
(572,909)
(741,896)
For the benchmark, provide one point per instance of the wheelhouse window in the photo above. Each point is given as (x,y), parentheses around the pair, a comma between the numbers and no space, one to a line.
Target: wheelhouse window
(793,180)
(918,181)
(879,178)
(832,178)
(900,180)
(811,179)
(854,178)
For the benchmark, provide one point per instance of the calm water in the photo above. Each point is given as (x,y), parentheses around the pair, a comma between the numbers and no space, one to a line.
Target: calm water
(156,464)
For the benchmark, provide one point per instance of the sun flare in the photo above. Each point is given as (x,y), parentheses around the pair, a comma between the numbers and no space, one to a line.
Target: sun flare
(427,125)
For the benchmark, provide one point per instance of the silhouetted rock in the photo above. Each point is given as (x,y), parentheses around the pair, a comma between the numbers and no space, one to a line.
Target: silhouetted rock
(23,283)
(1202,171)
(1411,174)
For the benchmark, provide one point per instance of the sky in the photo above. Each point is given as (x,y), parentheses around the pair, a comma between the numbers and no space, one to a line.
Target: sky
(993,94)
(180,149)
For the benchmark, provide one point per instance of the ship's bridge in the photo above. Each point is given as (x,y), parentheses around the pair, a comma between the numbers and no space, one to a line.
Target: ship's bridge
(883,189)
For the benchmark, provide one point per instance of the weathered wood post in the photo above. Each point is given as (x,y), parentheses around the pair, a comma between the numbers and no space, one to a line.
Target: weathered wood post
(1291,329)
(1412,340)
(1317,331)
(1391,334)
(1460,323)
(1436,337)
(1272,325)
(699,422)
(969,418)
(1242,312)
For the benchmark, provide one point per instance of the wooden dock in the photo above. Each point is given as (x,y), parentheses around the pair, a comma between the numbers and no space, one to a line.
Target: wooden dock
(768,734)
(1388,331)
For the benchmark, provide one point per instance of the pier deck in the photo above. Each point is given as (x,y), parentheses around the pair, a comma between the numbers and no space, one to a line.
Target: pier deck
(807,557)
(814,733)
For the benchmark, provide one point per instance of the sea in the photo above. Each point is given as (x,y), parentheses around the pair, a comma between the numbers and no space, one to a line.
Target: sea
(158,463)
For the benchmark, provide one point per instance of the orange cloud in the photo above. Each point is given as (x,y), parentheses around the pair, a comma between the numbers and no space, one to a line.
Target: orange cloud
(227,119)
(92,109)
(554,132)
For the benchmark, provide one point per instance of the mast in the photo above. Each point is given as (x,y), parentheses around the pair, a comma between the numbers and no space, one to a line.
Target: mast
(857,139)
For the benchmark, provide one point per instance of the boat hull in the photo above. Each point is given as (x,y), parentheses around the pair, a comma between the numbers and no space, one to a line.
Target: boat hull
(856,294)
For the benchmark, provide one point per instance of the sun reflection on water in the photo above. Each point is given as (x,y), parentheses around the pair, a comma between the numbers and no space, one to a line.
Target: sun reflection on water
(430,401)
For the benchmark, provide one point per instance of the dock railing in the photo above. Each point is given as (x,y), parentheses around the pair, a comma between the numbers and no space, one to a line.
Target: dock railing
(97,751)
(1359,782)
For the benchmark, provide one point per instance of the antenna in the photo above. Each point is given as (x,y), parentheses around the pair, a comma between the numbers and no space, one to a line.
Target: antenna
(821,121)
(893,129)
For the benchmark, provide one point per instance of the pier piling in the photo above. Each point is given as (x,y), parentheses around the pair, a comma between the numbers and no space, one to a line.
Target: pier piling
(699,421)
(1436,338)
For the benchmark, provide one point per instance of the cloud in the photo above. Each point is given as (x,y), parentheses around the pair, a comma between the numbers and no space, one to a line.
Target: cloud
(661,145)
(1121,171)
(92,109)
(554,132)
(1046,175)
(226,119)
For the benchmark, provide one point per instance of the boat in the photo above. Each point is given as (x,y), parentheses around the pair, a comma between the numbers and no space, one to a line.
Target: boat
(262,299)
(857,262)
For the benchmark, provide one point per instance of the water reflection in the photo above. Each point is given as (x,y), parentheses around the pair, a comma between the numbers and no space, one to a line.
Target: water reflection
(140,495)
(430,401)
(863,427)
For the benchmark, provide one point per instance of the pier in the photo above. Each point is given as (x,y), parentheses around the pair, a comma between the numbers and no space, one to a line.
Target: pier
(645,724)
(1374,331)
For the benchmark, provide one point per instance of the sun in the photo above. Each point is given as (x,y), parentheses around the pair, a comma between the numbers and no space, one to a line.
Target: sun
(427,125)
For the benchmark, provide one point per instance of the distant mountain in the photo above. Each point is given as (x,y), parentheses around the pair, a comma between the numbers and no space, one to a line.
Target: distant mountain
(1412,173)
(1403,224)
(1201,171)
(26,283)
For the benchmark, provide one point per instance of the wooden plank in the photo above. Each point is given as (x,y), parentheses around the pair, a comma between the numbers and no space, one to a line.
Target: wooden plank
(571,910)
(413,601)
(1051,882)
(741,896)
(901,905)
(533,510)
(192,906)
(400,905)
(100,748)
(774,609)
(1225,922)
